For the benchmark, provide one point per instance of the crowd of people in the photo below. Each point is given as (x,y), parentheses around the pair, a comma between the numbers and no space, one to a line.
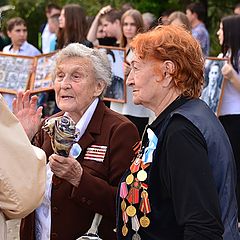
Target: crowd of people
(160,166)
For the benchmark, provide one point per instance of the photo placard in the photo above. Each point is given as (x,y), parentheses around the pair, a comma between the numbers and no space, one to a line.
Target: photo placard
(214,83)
(15,72)
(42,76)
(116,92)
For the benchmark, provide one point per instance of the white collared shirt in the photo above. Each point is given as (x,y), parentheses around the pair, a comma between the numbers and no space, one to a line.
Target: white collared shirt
(26,49)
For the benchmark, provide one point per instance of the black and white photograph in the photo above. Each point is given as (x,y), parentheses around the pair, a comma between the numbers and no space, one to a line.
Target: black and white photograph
(117,91)
(42,78)
(15,72)
(213,86)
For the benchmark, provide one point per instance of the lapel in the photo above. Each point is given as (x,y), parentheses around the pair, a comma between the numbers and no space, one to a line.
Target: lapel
(94,127)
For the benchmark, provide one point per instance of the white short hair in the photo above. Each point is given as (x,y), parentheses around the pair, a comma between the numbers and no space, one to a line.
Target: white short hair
(99,60)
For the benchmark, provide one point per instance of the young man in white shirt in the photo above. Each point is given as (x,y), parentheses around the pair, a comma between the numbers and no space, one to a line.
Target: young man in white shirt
(17,32)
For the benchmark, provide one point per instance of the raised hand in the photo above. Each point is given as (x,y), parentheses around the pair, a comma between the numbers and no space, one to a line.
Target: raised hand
(25,109)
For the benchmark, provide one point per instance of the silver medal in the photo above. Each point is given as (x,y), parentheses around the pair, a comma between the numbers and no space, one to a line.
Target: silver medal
(136,236)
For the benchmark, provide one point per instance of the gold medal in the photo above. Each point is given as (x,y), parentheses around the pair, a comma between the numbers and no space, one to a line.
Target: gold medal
(124,230)
(142,175)
(131,211)
(144,221)
(123,205)
(129,179)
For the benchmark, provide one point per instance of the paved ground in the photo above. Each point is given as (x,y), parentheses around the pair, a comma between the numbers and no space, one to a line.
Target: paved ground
(13,229)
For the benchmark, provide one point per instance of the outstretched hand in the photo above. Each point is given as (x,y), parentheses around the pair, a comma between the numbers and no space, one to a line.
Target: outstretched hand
(25,109)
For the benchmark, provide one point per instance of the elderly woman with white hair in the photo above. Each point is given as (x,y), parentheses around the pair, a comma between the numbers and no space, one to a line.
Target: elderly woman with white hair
(87,184)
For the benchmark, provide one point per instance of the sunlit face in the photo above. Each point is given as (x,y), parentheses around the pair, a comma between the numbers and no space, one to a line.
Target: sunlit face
(220,34)
(129,28)
(100,32)
(18,35)
(144,81)
(62,19)
(109,28)
(76,86)
(190,15)
(213,75)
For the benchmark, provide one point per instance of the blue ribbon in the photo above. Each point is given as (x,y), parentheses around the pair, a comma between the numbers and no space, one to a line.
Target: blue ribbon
(148,152)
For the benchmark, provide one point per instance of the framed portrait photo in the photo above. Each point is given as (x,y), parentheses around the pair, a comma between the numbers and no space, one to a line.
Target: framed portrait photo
(15,72)
(42,78)
(214,83)
(116,92)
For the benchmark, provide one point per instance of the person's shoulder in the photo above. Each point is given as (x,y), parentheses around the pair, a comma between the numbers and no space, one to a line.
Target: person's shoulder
(180,126)
(32,48)
(6,48)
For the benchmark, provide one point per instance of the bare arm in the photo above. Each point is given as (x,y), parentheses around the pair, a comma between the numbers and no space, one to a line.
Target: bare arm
(92,33)
(230,73)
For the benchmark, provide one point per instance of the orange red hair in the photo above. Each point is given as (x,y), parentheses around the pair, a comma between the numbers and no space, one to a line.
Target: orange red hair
(177,45)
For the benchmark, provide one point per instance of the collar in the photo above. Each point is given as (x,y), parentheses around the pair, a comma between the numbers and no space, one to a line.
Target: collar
(82,124)
(19,50)
(174,105)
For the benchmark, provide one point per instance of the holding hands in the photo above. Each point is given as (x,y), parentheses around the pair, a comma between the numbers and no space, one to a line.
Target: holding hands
(25,109)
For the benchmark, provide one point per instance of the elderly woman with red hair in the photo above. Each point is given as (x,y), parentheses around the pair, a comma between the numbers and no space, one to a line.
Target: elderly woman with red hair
(181,184)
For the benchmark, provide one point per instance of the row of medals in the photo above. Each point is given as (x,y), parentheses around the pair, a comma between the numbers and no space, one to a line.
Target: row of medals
(135,181)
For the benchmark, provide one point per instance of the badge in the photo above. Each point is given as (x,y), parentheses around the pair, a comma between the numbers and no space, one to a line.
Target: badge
(144,221)
(136,236)
(131,211)
(123,205)
(124,230)
(129,179)
(142,175)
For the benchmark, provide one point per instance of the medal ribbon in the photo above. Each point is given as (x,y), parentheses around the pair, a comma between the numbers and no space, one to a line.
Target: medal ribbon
(135,223)
(123,190)
(124,217)
(148,152)
(145,205)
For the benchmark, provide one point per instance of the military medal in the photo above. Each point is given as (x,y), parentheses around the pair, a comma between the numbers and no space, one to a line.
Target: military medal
(144,221)
(129,179)
(131,211)
(136,236)
(123,205)
(135,165)
(142,175)
(133,195)
(134,190)
(124,230)
(135,227)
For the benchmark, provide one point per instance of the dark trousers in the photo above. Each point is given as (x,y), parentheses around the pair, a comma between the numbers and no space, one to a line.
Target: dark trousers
(231,123)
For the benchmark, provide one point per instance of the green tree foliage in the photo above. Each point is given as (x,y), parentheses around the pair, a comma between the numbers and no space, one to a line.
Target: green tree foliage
(33,11)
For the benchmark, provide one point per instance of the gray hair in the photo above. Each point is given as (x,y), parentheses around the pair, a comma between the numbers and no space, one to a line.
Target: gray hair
(99,60)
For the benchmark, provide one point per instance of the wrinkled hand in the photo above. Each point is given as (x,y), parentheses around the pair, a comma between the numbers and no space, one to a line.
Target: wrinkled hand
(228,71)
(25,109)
(67,168)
